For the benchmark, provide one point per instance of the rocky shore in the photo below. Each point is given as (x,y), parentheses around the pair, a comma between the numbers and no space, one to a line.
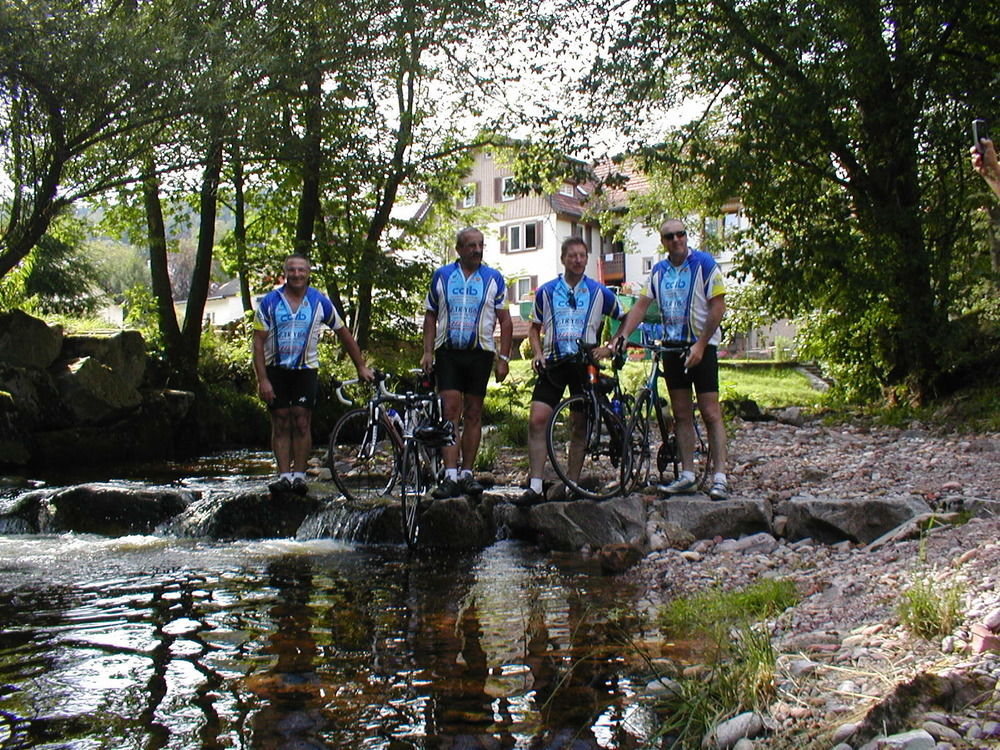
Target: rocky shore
(849,675)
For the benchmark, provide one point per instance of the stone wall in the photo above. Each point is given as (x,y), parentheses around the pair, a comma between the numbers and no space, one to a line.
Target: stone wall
(81,399)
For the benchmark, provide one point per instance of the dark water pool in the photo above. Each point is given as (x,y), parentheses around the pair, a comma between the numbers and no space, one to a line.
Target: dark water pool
(147,642)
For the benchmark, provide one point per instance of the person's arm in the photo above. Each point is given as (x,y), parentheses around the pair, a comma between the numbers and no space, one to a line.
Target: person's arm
(632,320)
(986,164)
(501,366)
(537,352)
(430,333)
(350,345)
(716,309)
(264,388)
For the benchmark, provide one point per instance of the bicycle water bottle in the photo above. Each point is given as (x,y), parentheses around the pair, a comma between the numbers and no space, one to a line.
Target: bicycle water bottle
(396,419)
(616,406)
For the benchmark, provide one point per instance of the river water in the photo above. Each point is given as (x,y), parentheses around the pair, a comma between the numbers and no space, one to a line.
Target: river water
(154,642)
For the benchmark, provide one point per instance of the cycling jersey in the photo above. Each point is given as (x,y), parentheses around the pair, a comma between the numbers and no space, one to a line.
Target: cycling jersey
(567,315)
(293,336)
(682,295)
(466,308)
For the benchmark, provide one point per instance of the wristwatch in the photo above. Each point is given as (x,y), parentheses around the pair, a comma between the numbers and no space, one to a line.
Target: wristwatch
(504,357)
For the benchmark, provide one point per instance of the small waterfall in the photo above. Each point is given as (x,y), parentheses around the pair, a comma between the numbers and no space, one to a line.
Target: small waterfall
(377,524)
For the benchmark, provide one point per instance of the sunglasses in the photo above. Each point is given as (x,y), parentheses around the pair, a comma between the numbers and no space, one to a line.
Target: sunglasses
(670,235)
(571,299)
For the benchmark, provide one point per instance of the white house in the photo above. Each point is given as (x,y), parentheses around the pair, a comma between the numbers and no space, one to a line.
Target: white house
(524,238)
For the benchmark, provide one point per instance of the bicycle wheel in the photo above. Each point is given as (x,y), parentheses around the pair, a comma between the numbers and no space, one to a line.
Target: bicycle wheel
(411,492)
(639,441)
(363,457)
(587,449)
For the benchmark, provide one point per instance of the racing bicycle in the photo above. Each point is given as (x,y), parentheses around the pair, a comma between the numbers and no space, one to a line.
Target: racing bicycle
(586,432)
(392,443)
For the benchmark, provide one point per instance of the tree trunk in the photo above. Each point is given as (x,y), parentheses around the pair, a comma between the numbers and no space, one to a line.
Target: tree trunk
(156,235)
(202,275)
(371,250)
(240,230)
(312,163)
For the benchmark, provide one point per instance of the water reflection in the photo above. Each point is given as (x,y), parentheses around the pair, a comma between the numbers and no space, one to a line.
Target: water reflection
(306,645)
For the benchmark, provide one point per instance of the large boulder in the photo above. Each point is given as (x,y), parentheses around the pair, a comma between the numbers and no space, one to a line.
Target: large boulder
(706,519)
(832,520)
(114,510)
(124,353)
(250,514)
(28,342)
(94,392)
(25,513)
(579,524)
(458,523)
(36,402)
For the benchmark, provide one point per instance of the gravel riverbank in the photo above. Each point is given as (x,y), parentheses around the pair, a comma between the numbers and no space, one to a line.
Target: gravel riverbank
(844,654)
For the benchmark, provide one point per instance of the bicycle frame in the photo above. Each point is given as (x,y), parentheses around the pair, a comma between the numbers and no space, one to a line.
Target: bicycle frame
(660,405)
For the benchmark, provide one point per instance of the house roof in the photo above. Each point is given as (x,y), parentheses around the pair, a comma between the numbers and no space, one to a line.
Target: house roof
(229,288)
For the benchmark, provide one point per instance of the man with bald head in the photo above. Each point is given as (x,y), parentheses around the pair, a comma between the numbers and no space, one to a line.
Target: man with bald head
(466,300)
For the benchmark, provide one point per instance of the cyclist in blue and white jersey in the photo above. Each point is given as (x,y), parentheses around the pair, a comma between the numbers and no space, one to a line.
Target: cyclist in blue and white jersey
(466,301)
(287,327)
(689,289)
(568,308)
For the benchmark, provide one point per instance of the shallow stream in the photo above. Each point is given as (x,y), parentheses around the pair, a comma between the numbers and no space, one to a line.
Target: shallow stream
(157,642)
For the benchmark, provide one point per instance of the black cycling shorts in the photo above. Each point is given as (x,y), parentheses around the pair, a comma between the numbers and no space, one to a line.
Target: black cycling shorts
(704,376)
(464,370)
(293,387)
(553,380)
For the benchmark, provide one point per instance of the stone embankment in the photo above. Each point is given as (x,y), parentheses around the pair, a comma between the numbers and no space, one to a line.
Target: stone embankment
(849,674)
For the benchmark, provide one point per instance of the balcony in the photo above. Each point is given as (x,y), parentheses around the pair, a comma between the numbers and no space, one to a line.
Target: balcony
(611,268)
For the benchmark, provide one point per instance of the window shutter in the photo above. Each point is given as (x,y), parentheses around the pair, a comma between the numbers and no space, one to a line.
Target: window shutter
(503,239)
(497,189)
(475,195)
(512,291)
(534,283)
(538,234)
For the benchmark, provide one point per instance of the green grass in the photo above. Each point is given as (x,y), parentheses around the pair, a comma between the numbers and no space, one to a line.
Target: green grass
(716,608)
(930,608)
(738,672)
(739,677)
(771,388)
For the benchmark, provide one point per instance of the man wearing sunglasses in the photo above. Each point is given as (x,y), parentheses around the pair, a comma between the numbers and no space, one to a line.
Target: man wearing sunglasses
(466,301)
(690,290)
(568,308)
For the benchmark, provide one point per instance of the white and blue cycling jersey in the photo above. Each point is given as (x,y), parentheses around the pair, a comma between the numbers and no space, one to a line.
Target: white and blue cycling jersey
(682,294)
(293,335)
(466,308)
(569,314)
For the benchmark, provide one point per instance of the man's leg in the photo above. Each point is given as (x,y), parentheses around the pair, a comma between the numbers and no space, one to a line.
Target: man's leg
(472,429)
(301,438)
(281,439)
(683,409)
(538,420)
(451,405)
(711,412)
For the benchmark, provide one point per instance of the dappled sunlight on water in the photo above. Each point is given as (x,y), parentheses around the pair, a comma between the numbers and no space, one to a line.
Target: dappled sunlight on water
(148,642)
